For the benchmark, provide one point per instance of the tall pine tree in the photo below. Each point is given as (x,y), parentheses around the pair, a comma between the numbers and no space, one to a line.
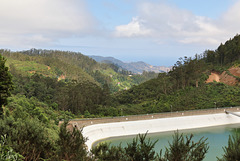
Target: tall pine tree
(5,83)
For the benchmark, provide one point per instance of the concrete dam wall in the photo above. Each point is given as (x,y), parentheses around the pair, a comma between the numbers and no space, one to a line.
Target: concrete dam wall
(102,131)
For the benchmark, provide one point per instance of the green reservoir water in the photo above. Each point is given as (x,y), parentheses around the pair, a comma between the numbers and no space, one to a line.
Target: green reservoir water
(217,138)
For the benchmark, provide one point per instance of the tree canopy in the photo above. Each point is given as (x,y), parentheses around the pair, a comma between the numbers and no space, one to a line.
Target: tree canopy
(6,84)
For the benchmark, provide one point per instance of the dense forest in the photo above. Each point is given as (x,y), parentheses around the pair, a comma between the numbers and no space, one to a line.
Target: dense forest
(40,87)
(72,66)
(185,87)
(69,81)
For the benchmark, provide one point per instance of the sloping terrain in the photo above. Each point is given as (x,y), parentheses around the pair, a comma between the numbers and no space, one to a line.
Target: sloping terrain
(229,77)
(135,67)
(213,77)
(68,66)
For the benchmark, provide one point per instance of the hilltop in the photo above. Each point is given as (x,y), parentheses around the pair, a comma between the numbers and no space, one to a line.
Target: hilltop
(207,80)
(68,66)
(135,67)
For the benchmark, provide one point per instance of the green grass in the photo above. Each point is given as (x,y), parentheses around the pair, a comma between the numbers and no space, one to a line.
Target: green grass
(125,81)
(31,67)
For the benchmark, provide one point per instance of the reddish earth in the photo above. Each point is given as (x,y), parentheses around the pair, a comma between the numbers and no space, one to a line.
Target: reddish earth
(213,77)
(61,77)
(235,71)
(32,71)
(225,77)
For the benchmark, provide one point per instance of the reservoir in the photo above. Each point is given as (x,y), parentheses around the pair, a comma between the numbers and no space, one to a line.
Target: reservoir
(217,139)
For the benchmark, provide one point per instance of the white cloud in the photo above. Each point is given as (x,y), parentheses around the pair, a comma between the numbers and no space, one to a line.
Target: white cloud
(166,22)
(29,22)
(230,19)
(134,29)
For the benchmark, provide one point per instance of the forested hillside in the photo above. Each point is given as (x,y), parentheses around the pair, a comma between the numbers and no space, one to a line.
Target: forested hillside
(44,87)
(185,87)
(73,82)
(68,81)
(47,86)
(68,66)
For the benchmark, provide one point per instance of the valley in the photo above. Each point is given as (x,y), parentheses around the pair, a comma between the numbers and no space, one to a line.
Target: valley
(48,86)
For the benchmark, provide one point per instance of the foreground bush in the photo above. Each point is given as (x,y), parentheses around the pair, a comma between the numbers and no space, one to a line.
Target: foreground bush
(7,152)
(184,149)
(142,149)
(232,151)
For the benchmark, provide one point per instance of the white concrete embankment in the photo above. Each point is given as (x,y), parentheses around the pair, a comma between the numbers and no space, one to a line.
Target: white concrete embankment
(101,131)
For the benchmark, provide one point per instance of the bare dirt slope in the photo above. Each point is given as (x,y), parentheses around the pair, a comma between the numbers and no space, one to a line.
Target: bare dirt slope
(229,79)
(213,77)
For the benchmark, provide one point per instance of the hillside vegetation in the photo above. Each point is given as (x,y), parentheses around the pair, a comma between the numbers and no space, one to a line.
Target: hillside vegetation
(48,86)
(69,81)
(70,66)
(73,82)
(185,87)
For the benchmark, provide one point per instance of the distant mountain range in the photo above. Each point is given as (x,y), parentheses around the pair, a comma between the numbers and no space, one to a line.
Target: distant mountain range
(135,67)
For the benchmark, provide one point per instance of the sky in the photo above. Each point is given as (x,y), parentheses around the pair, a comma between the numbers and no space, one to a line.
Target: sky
(157,32)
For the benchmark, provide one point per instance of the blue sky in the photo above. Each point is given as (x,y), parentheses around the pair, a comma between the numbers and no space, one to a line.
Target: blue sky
(155,31)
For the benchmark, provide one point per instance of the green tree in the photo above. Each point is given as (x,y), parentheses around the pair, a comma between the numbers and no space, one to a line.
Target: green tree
(7,153)
(232,151)
(185,149)
(140,149)
(29,137)
(5,83)
(72,144)
(105,151)
(84,96)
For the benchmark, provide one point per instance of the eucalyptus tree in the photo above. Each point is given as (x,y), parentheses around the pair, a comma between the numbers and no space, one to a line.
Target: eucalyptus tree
(5,83)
